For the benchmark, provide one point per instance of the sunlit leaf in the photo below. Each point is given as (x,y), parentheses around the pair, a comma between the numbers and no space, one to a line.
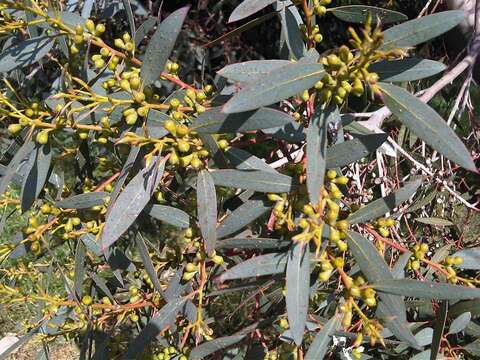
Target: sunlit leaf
(83,201)
(25,53)
(426,124)
(247,8)
(321,342)
(359,14)
(460,323)
(251,70)
(409,69)
(258,266)
(347,152)
(262,181)
(207,209)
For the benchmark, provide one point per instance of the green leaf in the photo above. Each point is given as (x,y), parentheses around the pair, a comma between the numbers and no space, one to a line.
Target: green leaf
(417,31)
(214,121)
(165,317)
(131,202)
(243,160)
(359,14)
(426,289)
(291,20)
(298,290)
(131,19)
(438,329)
(459,323)
(398,270)
(83,201)
(426,124)
(161,46)
(247,8)
(253,243)
(207,209)
(242,216)
(258,266)
(11,171)
(262,181)
(350,151)
(25,53)
(36,176)
(321,342)
(79,272)
(316,149)
(472,306)
(210,347)
(434,221)
(169,215)
(409,69)
(380,207)
(144,29)
(373,266)
(275,86)
(471,258)
(147,262)
(249,71)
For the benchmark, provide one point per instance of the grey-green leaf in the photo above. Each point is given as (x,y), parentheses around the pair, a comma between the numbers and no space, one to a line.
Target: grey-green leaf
(275,86)
(243,160)
(359,14)
(426,124)
(417,31)
(409,69)
(459,323)
(434,221)
(25,53)
(207,209)
(262,181)
(249,71)
(317,148)
(426,289)
(298,290)
(147,262)
(38,171)
(375,269)
(83,201)
(165,317)
(347,152)
(242,216)
(258,266)
(209,347)
(131,202)
(321,342)
(161,46)
(214,121)
(169,215)
(253,243)
(381,206)
(438,329)
(247,8)
(470,257)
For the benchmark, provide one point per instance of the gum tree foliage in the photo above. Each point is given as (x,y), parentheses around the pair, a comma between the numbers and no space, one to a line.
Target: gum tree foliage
(162,206)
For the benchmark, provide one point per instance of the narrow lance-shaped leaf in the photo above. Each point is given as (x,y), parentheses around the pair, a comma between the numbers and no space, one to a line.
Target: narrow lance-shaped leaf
(253,243)
(374,268)
(210,347)
(207,209)
(409,69)
(161,46)
(460,323)
(250,70)
(319,346)
(426,124)
(347,152)
(243,160)
(242,216)
(9,173)
(247,8)
(417,31)
(359,14)
(165,317)
(438,329)
(35,178)
(258,266)
(381,206)
(470,257)
(169,215)
(79,268)
(144,29)
(291,21)
(298,290)
(147,262)
(214,121)
(83,201)
(25,53)
(262,181)
(316,149)
(131,202)
(426,289)
(131,19)
(275,86)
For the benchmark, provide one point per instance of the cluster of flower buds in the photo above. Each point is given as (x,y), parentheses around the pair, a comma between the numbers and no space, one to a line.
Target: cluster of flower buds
(83,33)
(320,7)
(125,43)
(383,224)
(191,269)
(450,262)
(170,352)
(314,35)
(418,253)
